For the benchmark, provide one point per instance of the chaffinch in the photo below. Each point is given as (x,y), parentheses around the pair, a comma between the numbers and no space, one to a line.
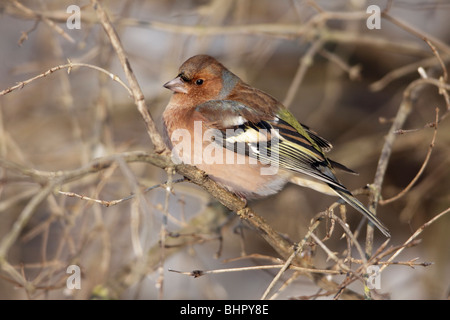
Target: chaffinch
(245,139)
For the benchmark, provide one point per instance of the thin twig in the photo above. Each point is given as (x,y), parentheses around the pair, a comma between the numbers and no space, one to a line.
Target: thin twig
(137,93)
(109,203)
(288,262)
(69,66)
(305,62)
(47,21)
(199,273)
(414,236)
(421,170)
(409,95)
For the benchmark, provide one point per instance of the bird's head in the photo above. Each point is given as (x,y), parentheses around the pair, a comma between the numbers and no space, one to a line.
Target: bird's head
(201,78)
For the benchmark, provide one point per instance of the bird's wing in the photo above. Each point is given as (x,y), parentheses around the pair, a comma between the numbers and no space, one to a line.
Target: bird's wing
(279,140)
(270,139)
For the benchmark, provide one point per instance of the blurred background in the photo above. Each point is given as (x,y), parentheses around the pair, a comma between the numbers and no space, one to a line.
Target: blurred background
(323,59)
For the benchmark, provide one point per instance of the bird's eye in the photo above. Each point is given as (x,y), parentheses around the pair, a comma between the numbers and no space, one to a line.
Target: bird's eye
(199,82)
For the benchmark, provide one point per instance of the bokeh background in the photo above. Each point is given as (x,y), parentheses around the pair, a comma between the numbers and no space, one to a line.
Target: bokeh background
(339,77)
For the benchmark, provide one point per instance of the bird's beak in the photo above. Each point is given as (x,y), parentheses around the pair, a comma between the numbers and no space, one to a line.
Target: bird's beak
(176,85)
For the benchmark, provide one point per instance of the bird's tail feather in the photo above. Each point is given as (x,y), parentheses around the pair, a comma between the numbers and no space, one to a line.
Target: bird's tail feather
(355,203)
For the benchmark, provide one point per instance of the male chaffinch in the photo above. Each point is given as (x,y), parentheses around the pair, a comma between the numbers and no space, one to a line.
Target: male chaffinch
(234,132)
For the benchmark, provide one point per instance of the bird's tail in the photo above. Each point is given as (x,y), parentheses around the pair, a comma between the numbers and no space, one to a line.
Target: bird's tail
(355,203)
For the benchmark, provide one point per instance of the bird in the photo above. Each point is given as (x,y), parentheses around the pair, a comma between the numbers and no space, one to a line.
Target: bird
(245,139)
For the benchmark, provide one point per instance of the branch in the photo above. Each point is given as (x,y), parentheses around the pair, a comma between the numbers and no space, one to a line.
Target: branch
(137,94)
(422,168)
(414,236)
(409,96)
